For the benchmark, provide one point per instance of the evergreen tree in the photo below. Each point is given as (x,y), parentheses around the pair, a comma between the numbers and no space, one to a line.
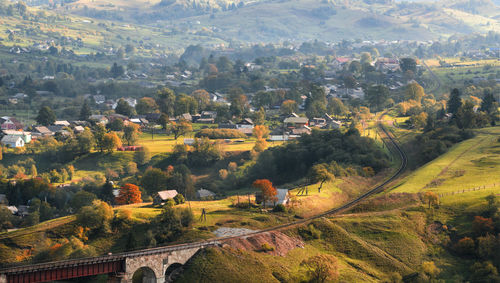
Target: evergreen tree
(489,104)
(46,116)
(455,102)
(85,112)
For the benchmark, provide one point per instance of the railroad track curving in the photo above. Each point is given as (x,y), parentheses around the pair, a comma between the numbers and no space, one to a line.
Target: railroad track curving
(218,241)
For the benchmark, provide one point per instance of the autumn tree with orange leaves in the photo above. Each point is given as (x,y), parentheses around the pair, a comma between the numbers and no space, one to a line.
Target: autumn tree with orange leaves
(268,191)
(260,132)
(129,193)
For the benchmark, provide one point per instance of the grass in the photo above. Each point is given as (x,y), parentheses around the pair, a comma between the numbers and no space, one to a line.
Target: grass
(165,143)
(474,162)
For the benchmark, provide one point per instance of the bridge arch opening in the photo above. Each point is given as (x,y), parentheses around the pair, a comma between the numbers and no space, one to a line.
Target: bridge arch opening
(173,271)
(144,275)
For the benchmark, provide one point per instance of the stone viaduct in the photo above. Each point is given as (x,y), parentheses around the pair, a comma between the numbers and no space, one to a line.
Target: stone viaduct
(155,265)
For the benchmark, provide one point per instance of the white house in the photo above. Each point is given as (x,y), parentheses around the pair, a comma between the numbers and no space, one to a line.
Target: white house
(202,193)
(282,198)
(162,196)
(13,141)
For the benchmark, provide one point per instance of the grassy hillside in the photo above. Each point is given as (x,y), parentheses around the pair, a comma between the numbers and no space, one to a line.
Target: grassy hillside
(274,21)
(472,163)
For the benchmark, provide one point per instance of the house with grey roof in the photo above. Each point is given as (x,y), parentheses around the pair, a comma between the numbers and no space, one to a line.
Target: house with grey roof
(12,141)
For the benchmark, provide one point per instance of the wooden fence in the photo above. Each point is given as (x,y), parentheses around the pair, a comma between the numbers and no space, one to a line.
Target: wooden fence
(469,190)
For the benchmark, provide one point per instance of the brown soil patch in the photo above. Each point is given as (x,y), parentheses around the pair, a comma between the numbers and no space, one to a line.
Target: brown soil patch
(281,243)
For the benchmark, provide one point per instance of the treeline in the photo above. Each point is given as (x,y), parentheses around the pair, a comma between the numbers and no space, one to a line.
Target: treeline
(480,243)
(292,161)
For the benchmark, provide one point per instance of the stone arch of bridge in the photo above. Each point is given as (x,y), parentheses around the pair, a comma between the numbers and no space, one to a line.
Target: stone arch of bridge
(144,274)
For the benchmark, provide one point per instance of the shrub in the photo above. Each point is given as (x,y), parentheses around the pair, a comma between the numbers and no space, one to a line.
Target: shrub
(310,233)
(465,246)
(220,134)
(179,198)
(279,208)
(169,203)
(267,247)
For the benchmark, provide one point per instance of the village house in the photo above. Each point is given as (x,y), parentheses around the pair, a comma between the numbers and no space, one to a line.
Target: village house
(26,136)
(162,196)
(10,123)
(204,194)
(186,117)
(62,123)
(131,101)
(13,141)
(282,197)
(294,121)
(99,99)
(41,131)
(99,119)
(207,117)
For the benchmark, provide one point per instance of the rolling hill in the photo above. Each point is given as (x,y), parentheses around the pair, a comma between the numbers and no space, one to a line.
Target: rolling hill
(279,20)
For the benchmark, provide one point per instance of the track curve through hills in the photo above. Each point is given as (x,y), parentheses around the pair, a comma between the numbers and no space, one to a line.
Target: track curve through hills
(217,241)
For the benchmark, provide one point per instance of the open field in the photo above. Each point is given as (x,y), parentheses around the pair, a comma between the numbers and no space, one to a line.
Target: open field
(165,143)
(472,163)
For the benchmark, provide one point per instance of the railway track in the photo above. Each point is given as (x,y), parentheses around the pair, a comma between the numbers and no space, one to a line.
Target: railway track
(218,241)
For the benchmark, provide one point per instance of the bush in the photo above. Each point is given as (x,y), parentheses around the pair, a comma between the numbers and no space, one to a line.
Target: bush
(169,203)
(279,208)
(310,233)
(179,199)
(220,134)
(267,247)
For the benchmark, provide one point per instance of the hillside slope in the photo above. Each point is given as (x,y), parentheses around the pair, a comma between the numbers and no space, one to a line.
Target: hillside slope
(276,20)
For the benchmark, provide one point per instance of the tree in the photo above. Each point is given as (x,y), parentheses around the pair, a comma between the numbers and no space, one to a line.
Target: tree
(5,218)
(431,198)
(288,107)
(111,141)
(203,98)
(429,268)
(142,156)
(268,191)
(320,173)
(46,116)
(260,131)
(181,128)
(99,132)
(336,106)
(116,70)
(166,101)
(131,133)
(81,199)
(465,246)
(239,103)
(85,141)
(455,102)
(33,171)
(185,104)
(377,96)
(321,268)
(129,193)
(408,64)
(115,125)
(482,226)
(489,103)
(487,246)
(85,111)
(163,121)
(122,107)
(366,58)
(154,180)
(355,67)
(146,105)
(414,91)
(96,216)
